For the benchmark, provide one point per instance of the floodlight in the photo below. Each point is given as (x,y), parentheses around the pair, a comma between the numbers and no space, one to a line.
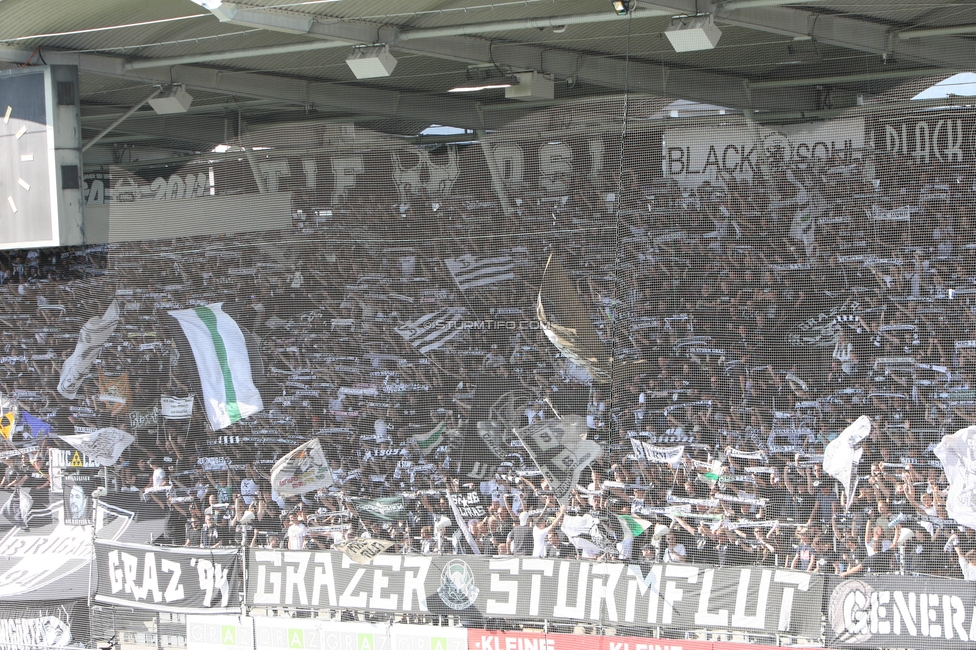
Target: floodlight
(622,7)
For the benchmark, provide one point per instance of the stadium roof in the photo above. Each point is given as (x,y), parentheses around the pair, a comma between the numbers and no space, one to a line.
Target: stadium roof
(281,61)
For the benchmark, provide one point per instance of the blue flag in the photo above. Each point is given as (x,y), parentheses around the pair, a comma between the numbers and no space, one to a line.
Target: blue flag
(34,427)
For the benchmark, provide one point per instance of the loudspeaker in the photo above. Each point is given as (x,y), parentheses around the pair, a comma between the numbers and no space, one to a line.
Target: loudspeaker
(693,34)
(531,85)
(173,99)
(370,62)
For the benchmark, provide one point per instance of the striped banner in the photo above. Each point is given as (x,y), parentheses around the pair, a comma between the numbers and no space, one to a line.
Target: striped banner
(431,331)
(470,271)
(229,393)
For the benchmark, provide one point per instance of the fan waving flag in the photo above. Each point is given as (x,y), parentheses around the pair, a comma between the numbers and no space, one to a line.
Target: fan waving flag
(303,469)
(843,452)
(960,469)
(220,352)
(470,271)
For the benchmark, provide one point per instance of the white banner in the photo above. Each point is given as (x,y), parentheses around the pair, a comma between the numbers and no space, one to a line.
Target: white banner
(176,408)
(695,155)
(219,632)
(362,550)
(652,454)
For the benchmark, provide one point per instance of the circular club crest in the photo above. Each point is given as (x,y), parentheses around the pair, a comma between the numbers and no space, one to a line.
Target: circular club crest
(849,612)
(778,147)
(458,590)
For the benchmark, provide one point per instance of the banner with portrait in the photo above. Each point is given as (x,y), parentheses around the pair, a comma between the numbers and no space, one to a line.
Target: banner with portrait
(78,499)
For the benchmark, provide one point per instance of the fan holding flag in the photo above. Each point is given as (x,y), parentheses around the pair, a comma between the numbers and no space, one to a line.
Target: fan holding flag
(844,452)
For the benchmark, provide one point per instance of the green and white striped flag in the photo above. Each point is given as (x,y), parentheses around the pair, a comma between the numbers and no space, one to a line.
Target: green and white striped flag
(229,393)
(633,526)
(428,442)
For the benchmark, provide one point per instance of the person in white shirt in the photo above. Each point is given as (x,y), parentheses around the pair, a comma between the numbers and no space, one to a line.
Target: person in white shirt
(967,562)
(296,533)
(675,552)
(540,533)
(381,429)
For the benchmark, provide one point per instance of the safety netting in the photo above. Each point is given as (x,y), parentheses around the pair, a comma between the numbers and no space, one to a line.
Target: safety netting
(665,369)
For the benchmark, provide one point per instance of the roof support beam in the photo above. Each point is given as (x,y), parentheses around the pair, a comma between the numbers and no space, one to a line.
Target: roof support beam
(713,88)
(348,97)
(838,30)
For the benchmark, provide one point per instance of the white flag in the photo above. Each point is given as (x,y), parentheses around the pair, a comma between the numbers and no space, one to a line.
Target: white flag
(103,446)
(229,393)
(957,452)
(470,271)
(559,451)
(93,334)
(302,470)
(843,452)
(431,331)
(586,533)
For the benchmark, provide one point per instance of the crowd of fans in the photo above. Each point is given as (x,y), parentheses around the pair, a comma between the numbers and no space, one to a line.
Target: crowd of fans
(761,340)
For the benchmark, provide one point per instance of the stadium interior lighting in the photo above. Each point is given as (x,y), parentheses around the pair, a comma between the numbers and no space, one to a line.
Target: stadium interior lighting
(475,87)
(622,7)
(485,78)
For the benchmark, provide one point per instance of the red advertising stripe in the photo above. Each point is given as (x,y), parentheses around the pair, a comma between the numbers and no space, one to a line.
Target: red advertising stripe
(497,640)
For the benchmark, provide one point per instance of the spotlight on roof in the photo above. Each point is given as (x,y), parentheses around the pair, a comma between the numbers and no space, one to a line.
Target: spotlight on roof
(622,7)
(693,33)
(485,78)
(371,61)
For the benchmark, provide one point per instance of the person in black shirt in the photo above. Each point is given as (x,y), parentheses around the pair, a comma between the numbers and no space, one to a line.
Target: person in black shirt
(194,534)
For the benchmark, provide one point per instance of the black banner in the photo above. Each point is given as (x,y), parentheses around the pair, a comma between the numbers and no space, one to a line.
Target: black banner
(892,611)
(51,560)
(471,504)
(681,596)
(168,579)
(929,138)
(49,625)
(78,490)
